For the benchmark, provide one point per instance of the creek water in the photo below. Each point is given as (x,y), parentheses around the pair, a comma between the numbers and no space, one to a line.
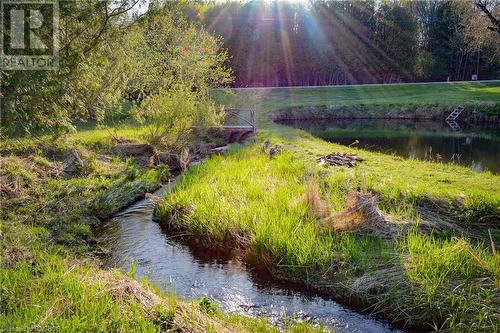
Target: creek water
(133,237)
(477,147)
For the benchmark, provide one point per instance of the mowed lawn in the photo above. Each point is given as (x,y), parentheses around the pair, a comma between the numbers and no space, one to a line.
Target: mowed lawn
(436,93)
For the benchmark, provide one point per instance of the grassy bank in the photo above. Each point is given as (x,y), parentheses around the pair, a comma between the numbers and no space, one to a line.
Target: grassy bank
(473,112)
(50,276)
(282,213)
(330,134)
(404,239)
(434,93)
(399,101)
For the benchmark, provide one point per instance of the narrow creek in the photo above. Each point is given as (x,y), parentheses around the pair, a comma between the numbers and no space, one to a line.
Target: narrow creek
(133,237)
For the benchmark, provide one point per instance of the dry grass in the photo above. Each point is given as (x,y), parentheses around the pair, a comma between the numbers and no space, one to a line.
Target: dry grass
(316,204)
(123,288)
(9,187)
(185,317)
(18,174)
(240,240)
(361,214)
(184,158)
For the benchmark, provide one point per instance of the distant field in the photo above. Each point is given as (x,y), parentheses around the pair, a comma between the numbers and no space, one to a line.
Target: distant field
(439,93)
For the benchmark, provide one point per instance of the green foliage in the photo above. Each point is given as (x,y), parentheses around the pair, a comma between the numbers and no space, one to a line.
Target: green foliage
(171,114)
(131,271)
(90,164)
(163,173)
(396,34)
(165,319)
(131,169)
(456,281)
(35,100)
(173,65)
(207,306)
(165,50)
(124,191)
(55,285)
(75,233)
(109,55)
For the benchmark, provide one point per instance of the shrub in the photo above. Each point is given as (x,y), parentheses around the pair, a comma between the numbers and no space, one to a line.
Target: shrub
(171,115)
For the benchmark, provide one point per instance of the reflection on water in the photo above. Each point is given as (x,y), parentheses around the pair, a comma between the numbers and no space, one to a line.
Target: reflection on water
(132,236)
(476,147)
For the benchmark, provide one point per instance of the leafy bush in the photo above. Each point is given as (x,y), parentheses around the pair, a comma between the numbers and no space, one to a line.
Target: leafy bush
(171,115)
(207,306)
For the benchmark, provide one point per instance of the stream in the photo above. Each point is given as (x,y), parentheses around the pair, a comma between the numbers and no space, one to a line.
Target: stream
(133,237)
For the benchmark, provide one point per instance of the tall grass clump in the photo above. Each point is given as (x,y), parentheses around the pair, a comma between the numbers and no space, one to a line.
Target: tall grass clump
(270,199)
(248,192)
(456,282)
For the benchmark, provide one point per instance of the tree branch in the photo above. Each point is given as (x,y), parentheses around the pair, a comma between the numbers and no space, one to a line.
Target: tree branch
(483,6)
(107,16)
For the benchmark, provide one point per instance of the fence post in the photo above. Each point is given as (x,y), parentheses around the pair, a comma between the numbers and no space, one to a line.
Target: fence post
(254,121)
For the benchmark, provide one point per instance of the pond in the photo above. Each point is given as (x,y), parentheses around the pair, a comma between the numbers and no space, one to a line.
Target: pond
(133,237)
(477,147)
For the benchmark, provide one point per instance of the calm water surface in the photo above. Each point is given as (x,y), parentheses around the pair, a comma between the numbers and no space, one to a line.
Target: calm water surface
(132,237)
(473,146)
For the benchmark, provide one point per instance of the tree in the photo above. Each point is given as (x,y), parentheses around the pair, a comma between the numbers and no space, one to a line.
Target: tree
(34,100)
(477,44)
(108,53)
(174,64)
(396,36)
(492,10)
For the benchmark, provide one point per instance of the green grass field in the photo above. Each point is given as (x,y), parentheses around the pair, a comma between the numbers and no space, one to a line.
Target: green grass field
(268,202)
(438,93)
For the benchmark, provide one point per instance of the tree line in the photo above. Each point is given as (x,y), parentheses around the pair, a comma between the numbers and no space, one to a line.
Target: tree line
(159,65)
(324,42)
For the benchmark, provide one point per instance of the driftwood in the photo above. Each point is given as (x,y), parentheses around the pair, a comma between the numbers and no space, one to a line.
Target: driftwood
(220,150)
(340,159)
